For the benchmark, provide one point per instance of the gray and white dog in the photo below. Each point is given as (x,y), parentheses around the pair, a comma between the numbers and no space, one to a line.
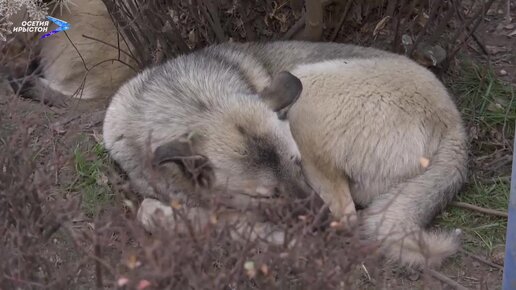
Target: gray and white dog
(221,104)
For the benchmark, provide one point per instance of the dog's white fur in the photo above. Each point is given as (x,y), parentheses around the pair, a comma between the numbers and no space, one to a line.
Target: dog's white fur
(363,127)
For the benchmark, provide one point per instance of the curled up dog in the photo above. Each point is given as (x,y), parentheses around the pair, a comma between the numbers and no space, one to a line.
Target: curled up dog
(359,124)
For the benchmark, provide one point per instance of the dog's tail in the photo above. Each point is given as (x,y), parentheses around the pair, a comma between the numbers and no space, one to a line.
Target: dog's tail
(397,218)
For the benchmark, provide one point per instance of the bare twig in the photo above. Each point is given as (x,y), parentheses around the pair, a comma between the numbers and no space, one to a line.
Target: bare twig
(445,279)
(249,32)
(314,18)
(479,209)
(419,38)
(212,15)
(474,35)
(113,46)
(300,23)
(443,24)
(508,18)
(480,259)
(397,26)
(116,17)
(77,50)
(476,19)
(98,268)
(341,20)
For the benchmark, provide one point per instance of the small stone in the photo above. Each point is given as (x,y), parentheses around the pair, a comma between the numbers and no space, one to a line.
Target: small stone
(503,72)
(475,264)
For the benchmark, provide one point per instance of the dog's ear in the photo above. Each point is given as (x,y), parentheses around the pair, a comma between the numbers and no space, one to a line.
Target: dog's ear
(198,168)
(283,91)
(176,150)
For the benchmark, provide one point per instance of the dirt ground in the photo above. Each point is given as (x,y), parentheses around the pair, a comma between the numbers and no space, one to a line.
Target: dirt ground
(80,126)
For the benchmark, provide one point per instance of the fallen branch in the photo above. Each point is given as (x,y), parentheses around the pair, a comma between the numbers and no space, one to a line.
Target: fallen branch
(479,209)
(480,259)
(445,279)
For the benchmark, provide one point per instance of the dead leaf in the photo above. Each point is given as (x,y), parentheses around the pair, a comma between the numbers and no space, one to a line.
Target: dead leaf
(98,137)
(381,25)
(422,19)
(424,162)
(192,37)
(132,262)
(512,33)
(129,204)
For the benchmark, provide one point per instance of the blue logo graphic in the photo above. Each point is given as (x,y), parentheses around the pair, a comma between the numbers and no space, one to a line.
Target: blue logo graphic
(63,25)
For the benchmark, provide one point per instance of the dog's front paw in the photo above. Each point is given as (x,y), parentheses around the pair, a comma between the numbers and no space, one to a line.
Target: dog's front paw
(154,214)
